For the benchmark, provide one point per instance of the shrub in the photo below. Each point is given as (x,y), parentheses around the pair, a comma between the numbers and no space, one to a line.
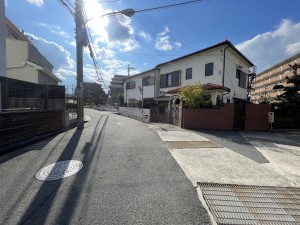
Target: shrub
(195,97)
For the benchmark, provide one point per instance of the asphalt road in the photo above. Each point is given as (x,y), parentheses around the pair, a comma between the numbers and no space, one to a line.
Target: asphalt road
(128,177)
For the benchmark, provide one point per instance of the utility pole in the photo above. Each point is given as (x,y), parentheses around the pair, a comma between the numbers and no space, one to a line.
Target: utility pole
(80,42)
(129,68)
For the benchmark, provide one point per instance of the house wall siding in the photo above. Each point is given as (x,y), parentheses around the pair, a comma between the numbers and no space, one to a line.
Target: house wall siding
(148,91)
(16,52)
(26,73)
(44,79)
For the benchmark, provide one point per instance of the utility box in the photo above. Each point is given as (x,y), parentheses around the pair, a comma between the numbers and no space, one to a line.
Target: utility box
(271,117)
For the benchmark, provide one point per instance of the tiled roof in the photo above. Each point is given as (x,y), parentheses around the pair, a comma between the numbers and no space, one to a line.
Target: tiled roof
(207,87)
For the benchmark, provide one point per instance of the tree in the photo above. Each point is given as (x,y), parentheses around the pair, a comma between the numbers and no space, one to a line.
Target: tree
(287,107)
(291,97)
(195,97)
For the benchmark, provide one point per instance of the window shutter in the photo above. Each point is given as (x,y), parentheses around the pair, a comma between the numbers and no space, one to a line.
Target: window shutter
(163,80)
(243,80)
(175,78)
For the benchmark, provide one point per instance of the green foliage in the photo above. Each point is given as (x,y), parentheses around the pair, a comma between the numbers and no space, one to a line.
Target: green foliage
(195,97)
(285,123)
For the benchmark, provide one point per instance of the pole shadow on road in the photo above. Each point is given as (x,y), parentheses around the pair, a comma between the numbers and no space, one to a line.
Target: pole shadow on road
(44,200)
(6,156)
(48,189)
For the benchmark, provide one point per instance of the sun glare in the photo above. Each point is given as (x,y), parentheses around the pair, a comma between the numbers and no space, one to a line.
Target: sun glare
(96,22)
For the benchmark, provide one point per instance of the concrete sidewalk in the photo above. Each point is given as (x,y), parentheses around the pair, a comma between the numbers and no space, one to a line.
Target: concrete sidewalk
(219,164)
(235,162)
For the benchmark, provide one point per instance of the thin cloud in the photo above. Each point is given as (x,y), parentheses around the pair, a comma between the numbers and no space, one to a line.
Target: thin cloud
(269,48)
(113,32)
(56,54)
(54,29)
(163,42)
(36,2)
(146,36)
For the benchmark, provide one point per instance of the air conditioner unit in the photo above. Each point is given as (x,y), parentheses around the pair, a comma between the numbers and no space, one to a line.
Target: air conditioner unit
(161,93)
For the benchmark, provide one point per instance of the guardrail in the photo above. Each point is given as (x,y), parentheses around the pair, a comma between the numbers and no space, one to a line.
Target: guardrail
(135,113)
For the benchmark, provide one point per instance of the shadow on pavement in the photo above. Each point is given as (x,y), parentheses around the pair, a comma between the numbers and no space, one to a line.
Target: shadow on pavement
(235,142)
(83,178)
(43,201)
(48,189)
(6,156)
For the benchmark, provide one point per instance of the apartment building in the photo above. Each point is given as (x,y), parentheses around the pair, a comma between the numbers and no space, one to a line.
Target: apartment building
(265,81)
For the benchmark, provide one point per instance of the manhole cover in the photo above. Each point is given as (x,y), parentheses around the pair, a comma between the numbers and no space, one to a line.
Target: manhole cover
(59,170)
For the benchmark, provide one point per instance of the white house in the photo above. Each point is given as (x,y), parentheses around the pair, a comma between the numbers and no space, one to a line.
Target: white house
(221,69)
(140,88)
(24,61)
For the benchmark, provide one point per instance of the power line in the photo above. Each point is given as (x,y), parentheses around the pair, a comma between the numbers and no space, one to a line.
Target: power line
(93,52)
(167,6)
(68,6)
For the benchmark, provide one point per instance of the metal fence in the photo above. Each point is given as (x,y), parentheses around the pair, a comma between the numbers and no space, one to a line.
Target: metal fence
(20,126)
(29,110)
(17,94)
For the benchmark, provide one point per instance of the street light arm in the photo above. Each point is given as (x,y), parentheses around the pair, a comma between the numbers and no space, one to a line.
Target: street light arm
(126,12)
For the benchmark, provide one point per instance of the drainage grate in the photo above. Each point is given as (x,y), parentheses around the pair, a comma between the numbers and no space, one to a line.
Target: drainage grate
(241,204)
(59,170)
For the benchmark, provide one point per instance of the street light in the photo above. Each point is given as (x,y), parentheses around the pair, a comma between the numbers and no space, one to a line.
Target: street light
(81,41)
(126,12)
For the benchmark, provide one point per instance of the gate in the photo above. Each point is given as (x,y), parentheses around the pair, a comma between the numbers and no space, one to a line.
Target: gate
(239,115)
(174,110)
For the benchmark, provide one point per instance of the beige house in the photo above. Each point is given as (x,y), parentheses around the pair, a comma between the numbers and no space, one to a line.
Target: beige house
(222,69)
(24,61)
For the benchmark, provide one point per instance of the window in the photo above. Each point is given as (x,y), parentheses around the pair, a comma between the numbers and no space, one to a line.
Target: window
(170,79)
(188,74)
(242,76)
(238,73)
(209,69)
(130,85)
(148,81)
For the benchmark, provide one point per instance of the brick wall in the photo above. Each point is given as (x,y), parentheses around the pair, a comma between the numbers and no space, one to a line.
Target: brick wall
(256,117)
(209,119)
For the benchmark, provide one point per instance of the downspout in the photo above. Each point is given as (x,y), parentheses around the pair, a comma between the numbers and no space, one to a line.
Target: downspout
(223,76)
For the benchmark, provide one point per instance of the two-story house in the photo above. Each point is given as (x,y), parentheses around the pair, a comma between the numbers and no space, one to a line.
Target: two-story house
(140,88)
(24,61)
(221,69)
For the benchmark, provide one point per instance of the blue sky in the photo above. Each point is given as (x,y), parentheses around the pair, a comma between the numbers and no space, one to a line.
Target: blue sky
(265,31)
